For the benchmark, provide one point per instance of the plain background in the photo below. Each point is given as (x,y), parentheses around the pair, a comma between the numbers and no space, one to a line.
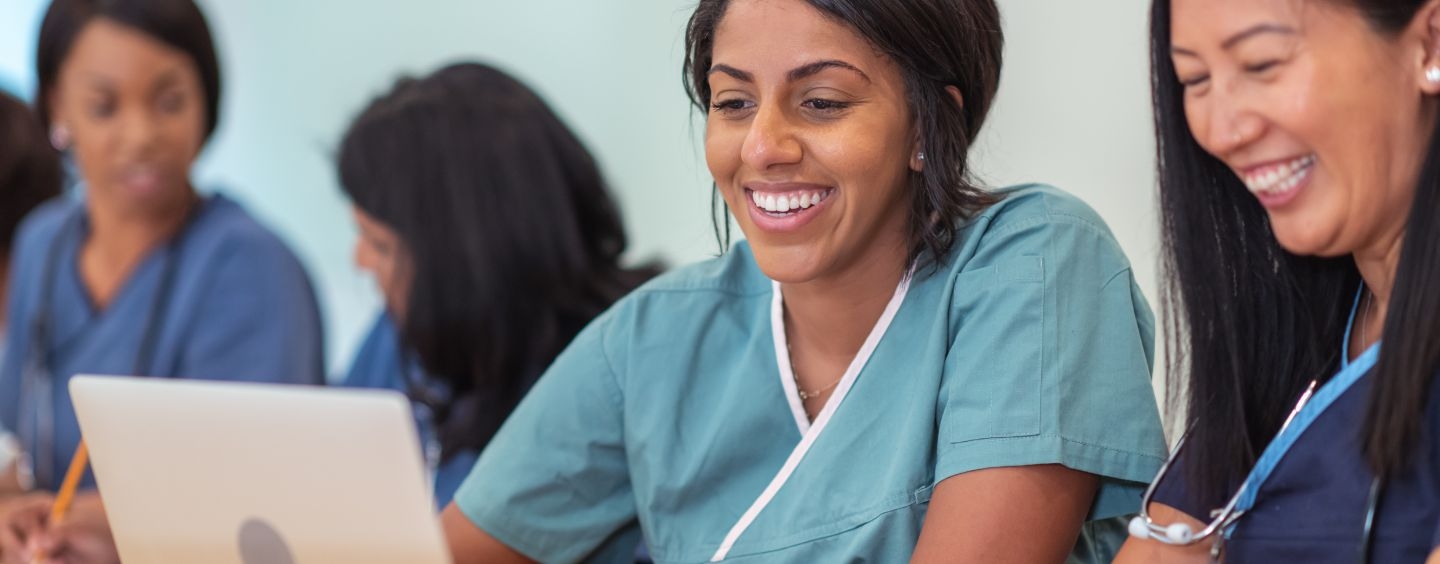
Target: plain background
(1073,111)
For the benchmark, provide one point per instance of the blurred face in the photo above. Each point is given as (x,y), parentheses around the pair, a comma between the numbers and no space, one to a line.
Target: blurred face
(380,252)
(1323,118)
(810,141)
(136,112)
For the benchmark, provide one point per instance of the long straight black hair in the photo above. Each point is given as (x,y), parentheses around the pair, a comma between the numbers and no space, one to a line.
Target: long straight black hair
(1248,324)
(514,243)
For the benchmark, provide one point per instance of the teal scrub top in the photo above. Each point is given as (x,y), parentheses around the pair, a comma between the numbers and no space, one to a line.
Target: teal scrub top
(1029,344)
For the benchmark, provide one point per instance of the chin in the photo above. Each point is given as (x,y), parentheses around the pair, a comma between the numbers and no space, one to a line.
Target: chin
(1313,239)
(786,266)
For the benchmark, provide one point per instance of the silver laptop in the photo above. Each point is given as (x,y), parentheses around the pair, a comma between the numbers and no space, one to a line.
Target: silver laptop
(196,471)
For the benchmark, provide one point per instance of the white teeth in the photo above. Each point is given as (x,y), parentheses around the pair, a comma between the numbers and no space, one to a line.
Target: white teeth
(1280,179)
(783,203)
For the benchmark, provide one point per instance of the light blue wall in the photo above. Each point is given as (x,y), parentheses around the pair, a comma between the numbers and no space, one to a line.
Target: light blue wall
(1073,110)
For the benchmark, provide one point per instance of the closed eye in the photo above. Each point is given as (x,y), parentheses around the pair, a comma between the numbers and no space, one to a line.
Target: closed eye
(1261,67)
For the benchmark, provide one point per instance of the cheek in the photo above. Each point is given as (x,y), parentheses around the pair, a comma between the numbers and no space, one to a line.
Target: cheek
(872,166)
(722,150)
(1197,119)
(186,134)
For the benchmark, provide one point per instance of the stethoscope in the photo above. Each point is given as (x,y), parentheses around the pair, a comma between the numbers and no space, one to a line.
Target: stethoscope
(37,381)
(1311,404)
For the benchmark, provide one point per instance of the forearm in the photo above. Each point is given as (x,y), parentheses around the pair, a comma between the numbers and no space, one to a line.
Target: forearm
(1026,514)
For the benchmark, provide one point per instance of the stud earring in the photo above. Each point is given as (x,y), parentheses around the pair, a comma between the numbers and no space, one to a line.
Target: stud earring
(60,138)
(920,157)
(1432,74)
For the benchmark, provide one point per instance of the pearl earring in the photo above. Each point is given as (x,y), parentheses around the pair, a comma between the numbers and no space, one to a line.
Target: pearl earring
(1432,74)
(60,137)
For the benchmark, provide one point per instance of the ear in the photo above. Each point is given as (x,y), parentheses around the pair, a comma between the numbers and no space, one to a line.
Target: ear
(54,107)
(1428,22)
(917,153)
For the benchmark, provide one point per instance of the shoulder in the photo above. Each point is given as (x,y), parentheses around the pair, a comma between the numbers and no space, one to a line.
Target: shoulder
(377,362)
(1037,225)
(1037,205)
(227,227)
(732,274)
(702,302)
(226,239)
(35,238)
(43,224)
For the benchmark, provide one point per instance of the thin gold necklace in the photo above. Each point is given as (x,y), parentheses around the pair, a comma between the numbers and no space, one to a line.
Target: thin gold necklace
(804,395)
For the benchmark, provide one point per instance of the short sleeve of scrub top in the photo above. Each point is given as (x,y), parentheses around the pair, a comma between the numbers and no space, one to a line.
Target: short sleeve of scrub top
(239,306)
(1028,344)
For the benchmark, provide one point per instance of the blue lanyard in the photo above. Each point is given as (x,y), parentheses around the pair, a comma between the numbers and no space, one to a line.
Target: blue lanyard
(1350,372)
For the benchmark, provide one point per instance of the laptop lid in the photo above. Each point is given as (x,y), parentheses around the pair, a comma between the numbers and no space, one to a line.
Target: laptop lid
(223,472)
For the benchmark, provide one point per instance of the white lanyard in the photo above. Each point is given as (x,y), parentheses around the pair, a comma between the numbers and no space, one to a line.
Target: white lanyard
(810,432)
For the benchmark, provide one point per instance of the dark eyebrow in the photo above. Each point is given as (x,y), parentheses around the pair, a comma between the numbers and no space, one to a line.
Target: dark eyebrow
(732,71)
(1234,40)
(170,78)
(798,73)
(815,67)
(1257,30)
(99,81)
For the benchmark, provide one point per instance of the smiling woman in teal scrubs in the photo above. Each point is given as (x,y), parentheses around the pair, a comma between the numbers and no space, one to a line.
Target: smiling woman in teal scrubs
(896,364)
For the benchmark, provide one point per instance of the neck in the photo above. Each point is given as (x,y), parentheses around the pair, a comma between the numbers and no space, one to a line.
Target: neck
(1377,264)
(835,316)
(120,238)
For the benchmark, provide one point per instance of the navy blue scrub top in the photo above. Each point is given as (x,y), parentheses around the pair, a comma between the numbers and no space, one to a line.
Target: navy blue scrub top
(1312,509)
(239,307)
(379,364)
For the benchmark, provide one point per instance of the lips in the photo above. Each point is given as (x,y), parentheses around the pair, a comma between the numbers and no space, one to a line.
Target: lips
(786,207)
(141,178)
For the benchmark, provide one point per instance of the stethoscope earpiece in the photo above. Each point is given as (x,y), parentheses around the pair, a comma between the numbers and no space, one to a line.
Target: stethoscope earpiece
(1180,533)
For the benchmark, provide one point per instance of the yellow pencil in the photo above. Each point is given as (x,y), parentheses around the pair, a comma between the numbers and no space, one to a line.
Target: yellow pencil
(66,496)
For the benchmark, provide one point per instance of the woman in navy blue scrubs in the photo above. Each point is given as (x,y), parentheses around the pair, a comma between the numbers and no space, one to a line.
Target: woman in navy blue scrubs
(492,235)
(144,275)
(1300,187)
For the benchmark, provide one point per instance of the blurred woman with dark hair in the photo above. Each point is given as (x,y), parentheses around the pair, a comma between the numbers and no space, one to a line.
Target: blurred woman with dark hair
(143,275)
(30,174)
(491,233)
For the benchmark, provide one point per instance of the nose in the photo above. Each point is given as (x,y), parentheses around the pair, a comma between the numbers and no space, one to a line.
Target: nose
(1226,124)
(771,140)
(141,132)
(362,256)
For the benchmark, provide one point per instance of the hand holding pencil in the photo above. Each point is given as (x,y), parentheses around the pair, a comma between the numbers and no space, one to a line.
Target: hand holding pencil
(68,527)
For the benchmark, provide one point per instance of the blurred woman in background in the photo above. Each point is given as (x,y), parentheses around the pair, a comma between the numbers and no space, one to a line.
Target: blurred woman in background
(30,174)
(144,275)
(492,235)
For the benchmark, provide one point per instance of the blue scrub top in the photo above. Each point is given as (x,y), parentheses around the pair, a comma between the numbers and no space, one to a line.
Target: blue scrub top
(1312,508)
(1029,344)
(240,307)
(379,364)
